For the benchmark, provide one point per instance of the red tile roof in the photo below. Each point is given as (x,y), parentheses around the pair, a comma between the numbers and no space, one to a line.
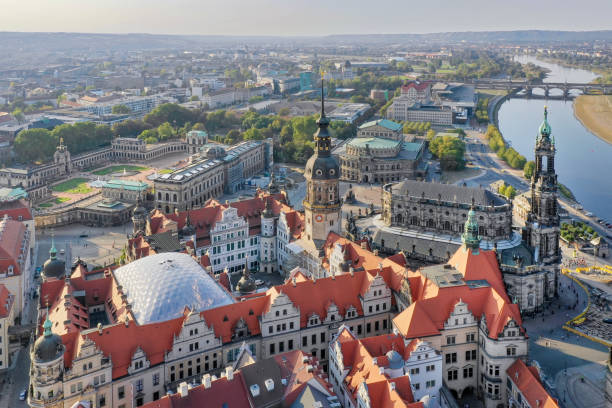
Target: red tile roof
(204,219)
(6,301)
(358,357)
(530,386)
(154,339)
(11,244)
(222,391)
(419,86)
(15,209)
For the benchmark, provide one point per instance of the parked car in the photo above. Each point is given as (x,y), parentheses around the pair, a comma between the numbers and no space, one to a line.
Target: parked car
(22,395)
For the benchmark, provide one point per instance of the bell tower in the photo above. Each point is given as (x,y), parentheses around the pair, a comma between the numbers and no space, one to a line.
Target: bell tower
(543,218)
(322,202)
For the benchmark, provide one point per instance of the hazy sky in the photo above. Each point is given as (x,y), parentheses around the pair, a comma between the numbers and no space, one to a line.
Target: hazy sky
(301,17)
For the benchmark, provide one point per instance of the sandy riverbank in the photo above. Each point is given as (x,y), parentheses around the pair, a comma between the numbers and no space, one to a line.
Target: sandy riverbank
(595,113)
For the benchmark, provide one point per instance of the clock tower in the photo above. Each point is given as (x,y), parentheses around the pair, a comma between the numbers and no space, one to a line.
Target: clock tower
(322,202)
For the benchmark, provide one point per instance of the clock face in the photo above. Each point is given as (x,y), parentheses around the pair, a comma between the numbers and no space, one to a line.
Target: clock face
(319,218)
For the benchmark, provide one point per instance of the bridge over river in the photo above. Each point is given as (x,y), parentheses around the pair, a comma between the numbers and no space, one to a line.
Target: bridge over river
(515,87)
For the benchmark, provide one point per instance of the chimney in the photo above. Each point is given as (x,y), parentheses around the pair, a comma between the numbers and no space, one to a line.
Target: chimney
(294,281)
(206,381)
(229,373)
(352,271)
(127,322)
(392,384)
(363,245)
(376,252)
(100,329)
(183,389)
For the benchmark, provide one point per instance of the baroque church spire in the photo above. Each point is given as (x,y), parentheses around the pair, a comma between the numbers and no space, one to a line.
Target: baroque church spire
(470,237)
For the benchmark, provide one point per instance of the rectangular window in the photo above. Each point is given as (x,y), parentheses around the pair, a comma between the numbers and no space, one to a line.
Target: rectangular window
(450,339)
(385,324)
(452,375)
(451,358)
(368,327)
(414,371)
(323,337)
(121,392)
(359,329)
(430,384)
(281,346)
(468,372)
(314,339)
(272,348)
(139,385)
(376,325)
(290,344)
(304,341)
(417,386)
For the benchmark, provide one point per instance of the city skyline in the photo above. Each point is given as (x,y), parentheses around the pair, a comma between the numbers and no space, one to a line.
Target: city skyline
(300,18)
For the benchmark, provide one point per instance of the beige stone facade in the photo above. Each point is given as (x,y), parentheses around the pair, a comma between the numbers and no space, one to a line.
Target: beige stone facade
(443,208)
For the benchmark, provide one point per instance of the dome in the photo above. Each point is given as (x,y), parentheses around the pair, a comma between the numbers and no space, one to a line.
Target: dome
(49,347)
(159,287)
(53,267)
(322,168)
(395,360)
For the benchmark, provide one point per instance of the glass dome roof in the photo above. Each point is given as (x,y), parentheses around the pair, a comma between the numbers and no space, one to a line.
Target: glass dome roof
(160,286)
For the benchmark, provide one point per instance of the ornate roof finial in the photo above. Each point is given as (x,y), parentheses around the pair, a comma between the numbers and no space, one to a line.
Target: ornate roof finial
(52,251)
(544,129)
(470,236)
(47,325)
(322,94)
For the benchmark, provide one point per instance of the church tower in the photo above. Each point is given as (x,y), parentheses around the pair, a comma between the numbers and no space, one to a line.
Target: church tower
(322,203)
(543,219)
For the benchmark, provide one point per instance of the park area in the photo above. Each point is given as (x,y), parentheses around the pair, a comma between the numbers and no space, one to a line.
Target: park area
(118,169)
(76,185)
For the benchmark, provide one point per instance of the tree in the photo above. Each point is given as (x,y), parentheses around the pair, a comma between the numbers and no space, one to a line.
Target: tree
(528,169)
(194,98)
(129,128)
(283,112)
(255,99)
(171,113)
(121,110)
(34,145)
(431,134)
(149,136)
(450,150)
(165,131)
(233,136)
(18,115)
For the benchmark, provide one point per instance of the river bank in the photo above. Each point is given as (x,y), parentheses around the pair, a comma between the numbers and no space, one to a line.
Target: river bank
(595,114)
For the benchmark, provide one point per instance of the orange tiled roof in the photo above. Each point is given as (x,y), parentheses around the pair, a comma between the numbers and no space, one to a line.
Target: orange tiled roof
(6,301)
(11,240)
(120,342)
(530,386)
(204,219)
(358,357)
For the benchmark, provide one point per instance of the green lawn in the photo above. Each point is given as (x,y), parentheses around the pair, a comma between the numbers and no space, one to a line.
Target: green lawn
(117,169)
(73,186)
(46,205)
(446,71)
(60,200)
(165,171)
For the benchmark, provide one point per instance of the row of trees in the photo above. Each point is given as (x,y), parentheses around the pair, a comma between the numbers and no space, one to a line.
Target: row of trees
(577,230)
(499,146)
(420,128)
(482,113)
(450,150)
(38,145)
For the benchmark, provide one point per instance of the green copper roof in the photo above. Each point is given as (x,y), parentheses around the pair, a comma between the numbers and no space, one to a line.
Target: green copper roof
(470,232)
(198,133)
(388,124)
(126,185)
(545,126)
(47,325)
(52,251)
(373,143)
